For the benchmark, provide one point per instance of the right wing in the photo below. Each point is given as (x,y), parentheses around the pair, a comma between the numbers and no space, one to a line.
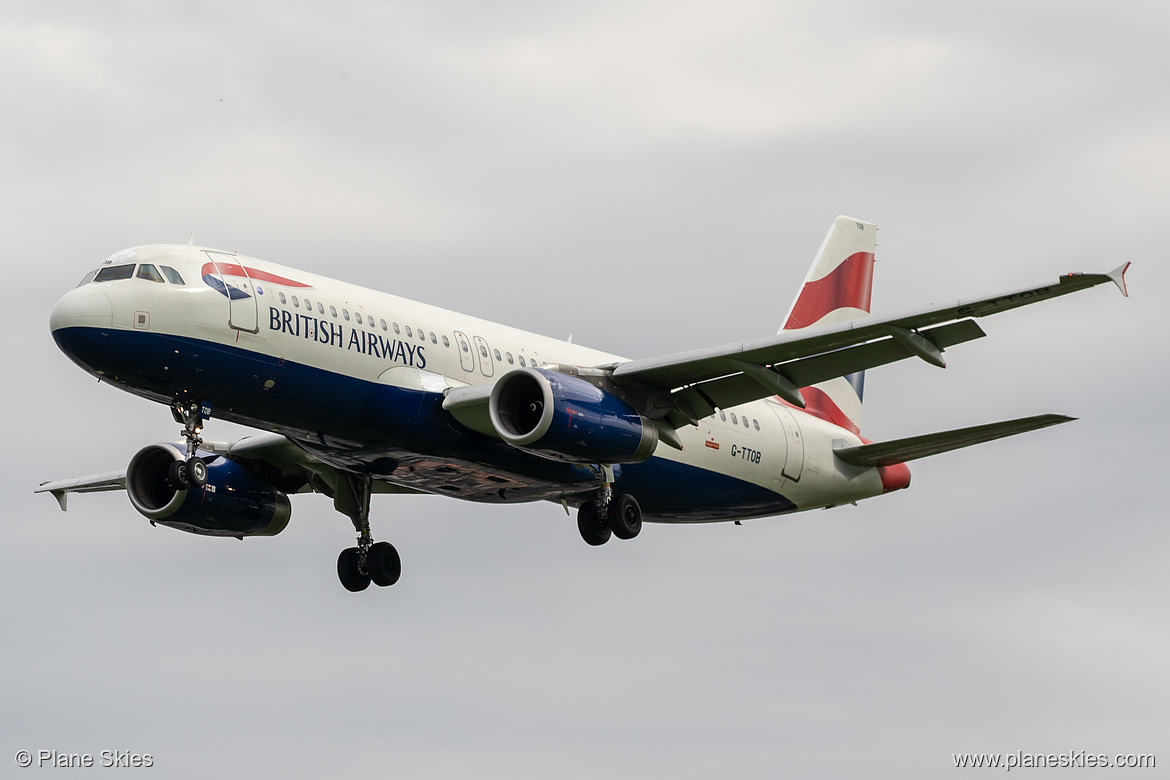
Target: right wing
(694,384)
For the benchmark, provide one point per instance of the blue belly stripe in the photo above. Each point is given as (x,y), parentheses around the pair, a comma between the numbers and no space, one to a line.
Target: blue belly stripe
(343,412)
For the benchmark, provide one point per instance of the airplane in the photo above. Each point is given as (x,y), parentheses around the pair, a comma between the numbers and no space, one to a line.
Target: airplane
(356,392)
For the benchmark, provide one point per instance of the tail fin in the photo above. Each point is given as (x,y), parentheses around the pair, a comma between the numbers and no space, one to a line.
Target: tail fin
(837,289)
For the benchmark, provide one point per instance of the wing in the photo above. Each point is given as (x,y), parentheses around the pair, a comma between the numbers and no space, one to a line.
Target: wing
(691,385)
(94,483)
(272,457)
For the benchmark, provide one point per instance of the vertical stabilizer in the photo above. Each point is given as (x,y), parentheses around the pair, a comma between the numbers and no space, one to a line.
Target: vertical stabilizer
(836,289)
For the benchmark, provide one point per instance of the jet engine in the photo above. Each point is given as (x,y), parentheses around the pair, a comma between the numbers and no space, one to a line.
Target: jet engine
(234,502)
(566,418)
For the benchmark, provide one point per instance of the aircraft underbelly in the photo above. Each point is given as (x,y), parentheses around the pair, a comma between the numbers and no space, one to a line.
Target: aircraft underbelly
(401,435)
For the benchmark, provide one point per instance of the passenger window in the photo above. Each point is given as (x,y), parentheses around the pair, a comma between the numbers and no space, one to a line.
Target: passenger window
(320,308)
(421,336)
(382,323)
(745,423)
(396,330)
(171,274)
(446,343)
(345,314)
(434,338)
(296,303)
(496,352)
(508,356)
(521,359)
(463,345)
(333,312)
(755,423)
(282,298)
(734,419)
(114,273)
(357,315)
(722,416)
(409,332)
(308,304)
(483,351)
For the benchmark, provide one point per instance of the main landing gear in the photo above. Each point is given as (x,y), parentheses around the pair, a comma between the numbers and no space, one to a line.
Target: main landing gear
(370,561)
(609,514)
(193,471)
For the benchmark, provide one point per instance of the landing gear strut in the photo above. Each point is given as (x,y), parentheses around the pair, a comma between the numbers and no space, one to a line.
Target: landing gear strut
(370,561)
(193,471)
(609,514)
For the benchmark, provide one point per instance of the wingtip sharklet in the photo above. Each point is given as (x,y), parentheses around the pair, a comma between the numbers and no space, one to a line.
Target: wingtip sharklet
(1117,275)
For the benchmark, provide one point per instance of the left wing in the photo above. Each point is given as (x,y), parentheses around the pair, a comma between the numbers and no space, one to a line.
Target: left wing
(274,458)
(94,483)
(700,381)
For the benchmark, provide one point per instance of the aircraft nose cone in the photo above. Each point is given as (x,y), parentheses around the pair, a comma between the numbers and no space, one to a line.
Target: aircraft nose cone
(83,307)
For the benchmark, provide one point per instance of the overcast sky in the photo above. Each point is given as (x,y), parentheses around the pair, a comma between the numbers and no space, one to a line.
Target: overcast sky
(649,177)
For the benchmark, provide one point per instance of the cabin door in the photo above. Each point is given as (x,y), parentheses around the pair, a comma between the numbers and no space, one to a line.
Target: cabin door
(794,458)
(235,283)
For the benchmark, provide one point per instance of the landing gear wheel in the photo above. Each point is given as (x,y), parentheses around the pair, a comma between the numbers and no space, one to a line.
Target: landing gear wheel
(383,563)
(196,472)
(593,527)
(177,475)
(625,517)
(349,571)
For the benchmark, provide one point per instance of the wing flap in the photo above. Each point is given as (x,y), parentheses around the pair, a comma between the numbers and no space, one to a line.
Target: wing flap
(887,453)
(735,389)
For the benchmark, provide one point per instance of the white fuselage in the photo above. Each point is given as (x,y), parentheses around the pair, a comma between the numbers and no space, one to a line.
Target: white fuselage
(374,337)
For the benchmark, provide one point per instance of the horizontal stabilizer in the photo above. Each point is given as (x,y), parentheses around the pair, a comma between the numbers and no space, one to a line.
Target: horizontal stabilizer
(887,453)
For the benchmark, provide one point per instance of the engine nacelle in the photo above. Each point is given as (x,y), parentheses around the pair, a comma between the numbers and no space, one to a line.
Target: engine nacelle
(234,502)
(566,418)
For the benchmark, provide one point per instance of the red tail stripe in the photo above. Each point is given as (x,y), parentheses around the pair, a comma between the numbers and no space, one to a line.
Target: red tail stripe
(234,269)
(849,284)
(818,403)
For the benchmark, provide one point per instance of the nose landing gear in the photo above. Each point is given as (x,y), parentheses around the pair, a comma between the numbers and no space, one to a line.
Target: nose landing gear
(193,471)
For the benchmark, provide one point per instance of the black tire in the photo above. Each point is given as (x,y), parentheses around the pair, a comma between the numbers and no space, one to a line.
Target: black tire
(349,573)
(196,472)
(593,527)
(177,475)
(625,517)
(384,564)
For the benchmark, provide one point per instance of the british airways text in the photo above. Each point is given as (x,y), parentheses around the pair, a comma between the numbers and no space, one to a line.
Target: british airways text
(334,334)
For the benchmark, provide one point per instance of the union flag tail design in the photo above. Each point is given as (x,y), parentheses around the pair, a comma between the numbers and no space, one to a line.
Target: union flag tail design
(837,289)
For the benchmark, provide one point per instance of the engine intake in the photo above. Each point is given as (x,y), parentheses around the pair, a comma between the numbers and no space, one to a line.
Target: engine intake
(567,418)
(235,502)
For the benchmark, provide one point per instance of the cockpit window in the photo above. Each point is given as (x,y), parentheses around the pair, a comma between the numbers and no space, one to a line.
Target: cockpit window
(171,274)
(147,271)
(88,278)
(113,273)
